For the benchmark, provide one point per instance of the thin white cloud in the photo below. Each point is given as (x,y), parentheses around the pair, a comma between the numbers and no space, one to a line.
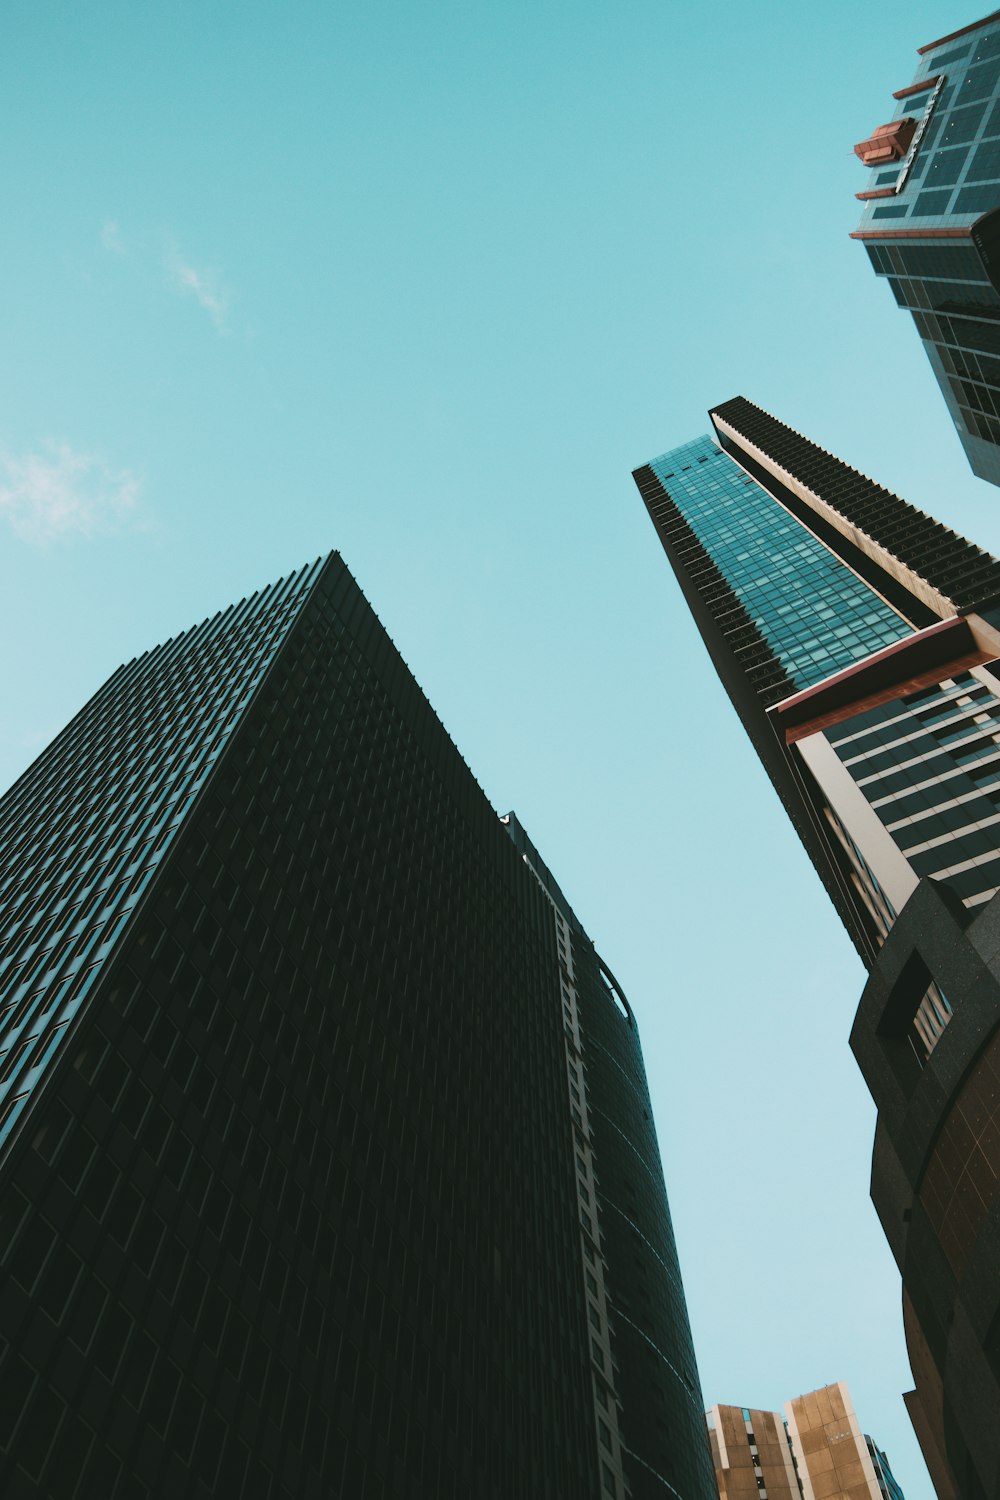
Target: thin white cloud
(201,283)
(62,494)
(111,237)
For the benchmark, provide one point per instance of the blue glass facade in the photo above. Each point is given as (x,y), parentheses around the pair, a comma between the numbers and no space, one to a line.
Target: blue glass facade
(887,1482)
(955,172)
(815,614)
(922,227)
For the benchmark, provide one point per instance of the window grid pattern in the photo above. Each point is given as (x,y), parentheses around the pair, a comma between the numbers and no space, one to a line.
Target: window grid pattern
(956,174)
(955,309)
(954,182)
(656,1372)
(887,1483)
(642,1356)
(303,1216)
(86,827)
(750,651)
(816,615)
(929,766)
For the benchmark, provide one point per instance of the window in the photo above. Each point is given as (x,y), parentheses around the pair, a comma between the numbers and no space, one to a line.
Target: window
(985,164)
(961,125)
(978,83)
(977,200)
(931,203)
(945,167)
(955,55)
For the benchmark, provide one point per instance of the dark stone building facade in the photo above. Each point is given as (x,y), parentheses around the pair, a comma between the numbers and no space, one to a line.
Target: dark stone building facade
(327,1165)
(934,1174)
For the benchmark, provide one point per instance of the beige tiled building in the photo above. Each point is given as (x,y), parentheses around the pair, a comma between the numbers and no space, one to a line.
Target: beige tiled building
(750,1446)
(817,1452)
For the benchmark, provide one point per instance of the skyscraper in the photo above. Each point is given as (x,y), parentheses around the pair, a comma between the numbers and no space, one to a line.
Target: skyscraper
(816,1451)
(858,639)
(845,624)
(931,223)
(327,1163)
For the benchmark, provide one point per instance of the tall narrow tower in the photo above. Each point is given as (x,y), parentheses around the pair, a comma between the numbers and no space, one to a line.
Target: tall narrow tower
(327,1163)
(858,640)
(852,632)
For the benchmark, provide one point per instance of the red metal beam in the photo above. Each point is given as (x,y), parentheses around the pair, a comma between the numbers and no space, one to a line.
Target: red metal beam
(919,87)
(924,658)
(911,234)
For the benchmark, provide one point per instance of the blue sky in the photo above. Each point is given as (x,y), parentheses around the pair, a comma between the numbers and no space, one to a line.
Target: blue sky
(424,282)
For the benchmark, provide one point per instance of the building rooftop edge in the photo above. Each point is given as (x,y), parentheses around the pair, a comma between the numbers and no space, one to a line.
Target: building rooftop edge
(844,464)
(962,31)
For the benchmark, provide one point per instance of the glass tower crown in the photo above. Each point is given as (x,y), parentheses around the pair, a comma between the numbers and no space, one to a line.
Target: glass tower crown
(816,615)
(931,225)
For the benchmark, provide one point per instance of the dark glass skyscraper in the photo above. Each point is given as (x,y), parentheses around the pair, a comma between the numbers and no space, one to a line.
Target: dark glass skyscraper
(931,223)
(859,641)
(327,1165)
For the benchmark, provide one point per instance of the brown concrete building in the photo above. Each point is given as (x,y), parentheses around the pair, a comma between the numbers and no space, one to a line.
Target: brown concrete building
(816,1452)
(752,1454)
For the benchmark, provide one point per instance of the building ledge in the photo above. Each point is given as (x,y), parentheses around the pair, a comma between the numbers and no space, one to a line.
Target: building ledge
(920,87)
(919,661)
(953,36)
(912,234)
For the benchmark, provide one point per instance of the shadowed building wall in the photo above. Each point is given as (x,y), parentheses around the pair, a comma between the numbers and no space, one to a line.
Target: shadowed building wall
(327,1164)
